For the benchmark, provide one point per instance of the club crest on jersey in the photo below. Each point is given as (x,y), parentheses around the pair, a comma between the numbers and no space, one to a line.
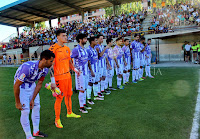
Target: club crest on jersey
(22,76)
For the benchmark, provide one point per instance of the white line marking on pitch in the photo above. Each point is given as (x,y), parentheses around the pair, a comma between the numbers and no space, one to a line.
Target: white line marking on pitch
(195,125)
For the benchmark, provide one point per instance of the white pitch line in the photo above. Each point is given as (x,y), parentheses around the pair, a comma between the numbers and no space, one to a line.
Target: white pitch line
(195,125)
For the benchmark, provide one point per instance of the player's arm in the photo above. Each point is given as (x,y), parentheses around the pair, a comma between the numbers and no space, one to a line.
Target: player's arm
(124,60)
(116,62)
(36,91)
(53,82)
(108,63)
(16,93)
(144,48)
(131,54)
(90,68)
(101,54)
(71,65)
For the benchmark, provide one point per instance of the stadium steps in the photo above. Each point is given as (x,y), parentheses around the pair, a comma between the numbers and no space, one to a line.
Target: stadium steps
(147,22)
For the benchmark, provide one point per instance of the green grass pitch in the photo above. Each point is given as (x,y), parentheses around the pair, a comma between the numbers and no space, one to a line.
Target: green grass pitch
(160,108)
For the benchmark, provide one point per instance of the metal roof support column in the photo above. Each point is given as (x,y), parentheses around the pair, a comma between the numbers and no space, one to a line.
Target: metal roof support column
(17,32)
(114,10)
(50,23)
(82,15)
(58,22)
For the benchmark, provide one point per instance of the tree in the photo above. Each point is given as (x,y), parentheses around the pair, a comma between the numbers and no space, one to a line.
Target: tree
(124,8)
(40,25)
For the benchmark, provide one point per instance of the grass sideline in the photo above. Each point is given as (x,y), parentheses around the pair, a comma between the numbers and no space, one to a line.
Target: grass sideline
(160,108)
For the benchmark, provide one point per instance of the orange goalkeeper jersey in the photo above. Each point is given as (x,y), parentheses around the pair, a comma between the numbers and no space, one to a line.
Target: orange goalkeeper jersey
(61,62)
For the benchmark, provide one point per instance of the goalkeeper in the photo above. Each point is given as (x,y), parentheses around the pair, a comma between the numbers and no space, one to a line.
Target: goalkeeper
(61,77)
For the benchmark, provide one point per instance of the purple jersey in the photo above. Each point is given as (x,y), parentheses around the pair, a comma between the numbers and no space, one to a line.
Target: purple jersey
(135,49)
(142,54)
(102,61)
(148,50)
(29,73)
(127,54)
(126,51)
(120,54)
(80,56)
(93,58)
(110,57)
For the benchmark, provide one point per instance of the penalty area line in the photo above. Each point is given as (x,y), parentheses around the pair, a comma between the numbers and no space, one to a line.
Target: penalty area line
(195,125)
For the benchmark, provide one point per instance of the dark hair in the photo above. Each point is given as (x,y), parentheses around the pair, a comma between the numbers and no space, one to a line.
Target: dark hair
(47,54)
(149,39)
(108,40)
(59,31)
(120,38)
(137,35)
(142,38)
(80,36)
(91,39)
(126,40)
(99,35)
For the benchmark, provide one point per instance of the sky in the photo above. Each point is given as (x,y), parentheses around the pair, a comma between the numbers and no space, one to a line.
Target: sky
(6,31)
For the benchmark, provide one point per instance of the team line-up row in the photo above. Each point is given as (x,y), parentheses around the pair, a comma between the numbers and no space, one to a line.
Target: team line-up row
(94,70)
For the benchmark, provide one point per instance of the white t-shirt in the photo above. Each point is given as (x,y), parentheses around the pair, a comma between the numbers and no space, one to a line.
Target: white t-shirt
(184,7)
(4,57)
(198,20)
(191,9)
(194,14)
(187,47)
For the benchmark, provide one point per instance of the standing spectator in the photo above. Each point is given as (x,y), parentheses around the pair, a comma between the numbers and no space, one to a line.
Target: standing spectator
(187,50)
(194,49)
(154,7)
(9,60)
(21,57)
(14,58)
(35,55)
(4,59)
(183,48)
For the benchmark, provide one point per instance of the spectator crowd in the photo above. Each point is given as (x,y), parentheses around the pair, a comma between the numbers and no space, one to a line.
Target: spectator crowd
(170,16)
(114,26)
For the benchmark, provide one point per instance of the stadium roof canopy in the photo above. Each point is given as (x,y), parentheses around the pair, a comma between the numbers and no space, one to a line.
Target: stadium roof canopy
(26,12)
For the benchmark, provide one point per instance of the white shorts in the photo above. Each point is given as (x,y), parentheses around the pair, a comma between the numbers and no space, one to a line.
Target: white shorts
(136,63)
(103,71)
(148,61)
(120,69)
(128,66)
(111,72)
(26,95)
(94,79)
(81,82)
(142,62)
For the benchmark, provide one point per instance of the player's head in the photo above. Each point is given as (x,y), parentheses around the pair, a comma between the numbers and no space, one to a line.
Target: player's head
(142,39)
(100,38)
(109,41)
(93,41)
(137,37)
(119,41)
(47,58)
(126,42)
(149,41)
(61,35)
(81,38)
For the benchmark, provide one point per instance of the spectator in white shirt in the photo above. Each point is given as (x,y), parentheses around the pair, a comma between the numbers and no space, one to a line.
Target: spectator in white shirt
(187,50)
